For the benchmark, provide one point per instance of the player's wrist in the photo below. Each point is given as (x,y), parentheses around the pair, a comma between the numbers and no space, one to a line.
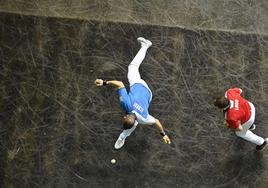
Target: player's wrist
(163,133)
(104,83)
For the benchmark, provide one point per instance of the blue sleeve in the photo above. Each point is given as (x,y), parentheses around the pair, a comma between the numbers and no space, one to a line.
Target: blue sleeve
(124,99)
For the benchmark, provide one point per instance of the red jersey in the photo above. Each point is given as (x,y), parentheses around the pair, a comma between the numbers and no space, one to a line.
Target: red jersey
(239,108)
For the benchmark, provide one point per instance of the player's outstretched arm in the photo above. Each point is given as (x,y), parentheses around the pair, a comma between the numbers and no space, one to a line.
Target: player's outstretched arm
(117,84)
(162,132)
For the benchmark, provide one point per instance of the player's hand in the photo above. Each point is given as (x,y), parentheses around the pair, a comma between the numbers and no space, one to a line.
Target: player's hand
(166,139)
(99,82)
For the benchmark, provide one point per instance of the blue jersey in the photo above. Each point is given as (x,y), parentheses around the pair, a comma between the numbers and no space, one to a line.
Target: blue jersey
(137,100)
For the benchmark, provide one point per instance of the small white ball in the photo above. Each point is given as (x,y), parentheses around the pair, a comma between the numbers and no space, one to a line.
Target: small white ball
(113,161)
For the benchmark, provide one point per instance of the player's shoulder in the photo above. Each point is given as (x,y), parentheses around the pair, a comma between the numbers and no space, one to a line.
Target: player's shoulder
(235,90)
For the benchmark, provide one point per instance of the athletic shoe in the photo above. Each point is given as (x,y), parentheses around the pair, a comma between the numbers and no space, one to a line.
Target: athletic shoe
(119,143)
(260,147)
(144,42)
(253,127)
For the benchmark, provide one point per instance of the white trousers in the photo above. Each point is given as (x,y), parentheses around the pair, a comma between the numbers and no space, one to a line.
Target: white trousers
(133,78)
(247,134)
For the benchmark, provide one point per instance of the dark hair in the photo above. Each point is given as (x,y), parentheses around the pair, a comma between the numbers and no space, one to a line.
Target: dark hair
(221,102)
(129,121)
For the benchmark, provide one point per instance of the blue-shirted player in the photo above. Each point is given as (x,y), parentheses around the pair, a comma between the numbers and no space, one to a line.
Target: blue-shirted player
(135,102)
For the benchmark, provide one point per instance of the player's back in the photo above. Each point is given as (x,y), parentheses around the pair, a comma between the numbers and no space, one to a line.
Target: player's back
(140,96)
(239,107)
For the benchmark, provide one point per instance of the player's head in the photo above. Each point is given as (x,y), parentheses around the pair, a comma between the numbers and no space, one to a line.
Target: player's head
(129,120)
(222,103)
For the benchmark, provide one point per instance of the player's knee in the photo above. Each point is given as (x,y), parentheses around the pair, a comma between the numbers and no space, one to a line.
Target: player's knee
(129,121)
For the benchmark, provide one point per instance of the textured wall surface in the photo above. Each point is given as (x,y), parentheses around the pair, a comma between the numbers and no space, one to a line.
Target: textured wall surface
(239,15)
(58,130)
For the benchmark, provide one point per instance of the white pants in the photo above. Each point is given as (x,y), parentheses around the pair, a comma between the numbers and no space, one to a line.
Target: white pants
(133,78)
(133,74)
(247,134)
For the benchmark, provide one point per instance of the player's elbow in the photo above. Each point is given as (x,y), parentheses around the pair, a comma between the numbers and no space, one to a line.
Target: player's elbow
(157,121)
(239,128)
(120,84)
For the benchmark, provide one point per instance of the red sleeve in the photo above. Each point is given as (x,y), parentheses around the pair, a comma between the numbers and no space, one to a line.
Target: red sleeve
(234,124)
(233,119)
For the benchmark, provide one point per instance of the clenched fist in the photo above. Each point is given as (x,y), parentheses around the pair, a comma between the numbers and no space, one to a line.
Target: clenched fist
(99,82)
(166,139)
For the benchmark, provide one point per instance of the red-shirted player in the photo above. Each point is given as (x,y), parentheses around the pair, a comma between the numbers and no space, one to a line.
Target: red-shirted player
(240,115)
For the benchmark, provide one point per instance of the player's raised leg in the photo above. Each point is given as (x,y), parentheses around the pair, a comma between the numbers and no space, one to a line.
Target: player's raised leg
(133,68)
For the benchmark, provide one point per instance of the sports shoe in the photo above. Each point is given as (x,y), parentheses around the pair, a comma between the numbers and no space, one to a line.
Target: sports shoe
(260,147)
(119,143)
(144,42)
(253,127)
